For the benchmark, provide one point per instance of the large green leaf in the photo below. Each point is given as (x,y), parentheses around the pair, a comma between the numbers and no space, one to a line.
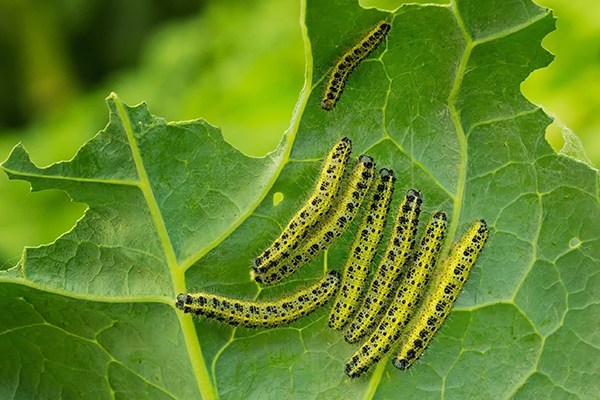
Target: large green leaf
(172,207)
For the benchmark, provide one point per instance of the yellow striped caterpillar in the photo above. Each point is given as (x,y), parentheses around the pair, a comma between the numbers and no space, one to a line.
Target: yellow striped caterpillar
(438,303)
(317,205)
(407,299)
(342,69)
(390,268)
(364,247)
(335,223)
(265,314)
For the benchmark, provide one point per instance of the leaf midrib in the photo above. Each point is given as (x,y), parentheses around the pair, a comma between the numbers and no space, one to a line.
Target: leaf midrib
(205,386)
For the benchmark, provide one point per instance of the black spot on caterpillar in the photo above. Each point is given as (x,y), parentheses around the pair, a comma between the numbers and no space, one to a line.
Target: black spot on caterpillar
(315,208)
(439,302)
(407,298)
(335,223)
(389,271)
(265,314)
(342,69)
(364,247)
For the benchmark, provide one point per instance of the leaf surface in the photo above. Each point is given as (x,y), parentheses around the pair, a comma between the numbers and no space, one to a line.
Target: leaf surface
(173,207)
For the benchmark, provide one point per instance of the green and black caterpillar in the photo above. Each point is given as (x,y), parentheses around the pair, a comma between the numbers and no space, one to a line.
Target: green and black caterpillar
(265,314)
(348,61)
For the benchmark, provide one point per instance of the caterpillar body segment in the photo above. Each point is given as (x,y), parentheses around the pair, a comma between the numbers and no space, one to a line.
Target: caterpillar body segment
(439,302)
(362,251)
(390,269)
(346,64)
(335,223)
(407,298)
(315,208)
(265,314)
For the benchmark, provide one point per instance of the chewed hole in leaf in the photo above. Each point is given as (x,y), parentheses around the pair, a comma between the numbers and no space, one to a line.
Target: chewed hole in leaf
(277,198)
(574,242)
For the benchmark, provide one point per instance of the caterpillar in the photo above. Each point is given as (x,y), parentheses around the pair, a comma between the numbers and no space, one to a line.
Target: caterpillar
(407,298)
(363,250)
(336,222)
(266,314)
(342,69)
(438,303)
(386,279)
(317,205)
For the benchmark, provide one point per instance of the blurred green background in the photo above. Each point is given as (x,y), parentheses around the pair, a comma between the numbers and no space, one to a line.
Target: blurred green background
(238,64)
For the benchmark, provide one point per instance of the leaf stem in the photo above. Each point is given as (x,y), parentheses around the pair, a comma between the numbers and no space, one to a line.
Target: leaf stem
(207,390)
(145,184)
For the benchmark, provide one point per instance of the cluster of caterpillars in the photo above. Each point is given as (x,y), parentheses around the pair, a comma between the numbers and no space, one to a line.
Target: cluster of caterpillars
(394,309)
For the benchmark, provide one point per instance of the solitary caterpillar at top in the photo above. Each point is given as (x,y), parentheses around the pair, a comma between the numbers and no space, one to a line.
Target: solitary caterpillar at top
(317,205)
(337,220)
(406,300)
(265,314)
(438,303)
(390,268)
(363,250)
(342,69)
